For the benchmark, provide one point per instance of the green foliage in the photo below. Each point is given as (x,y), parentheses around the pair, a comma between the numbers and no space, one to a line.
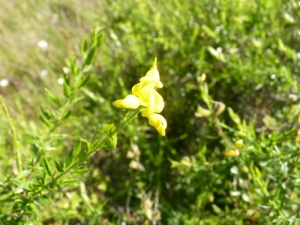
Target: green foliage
(230,71)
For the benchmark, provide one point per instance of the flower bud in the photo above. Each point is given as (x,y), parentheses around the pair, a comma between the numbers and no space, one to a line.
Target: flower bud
(201,78)
(201,112)
(220,108)
(130,155)
(239,143)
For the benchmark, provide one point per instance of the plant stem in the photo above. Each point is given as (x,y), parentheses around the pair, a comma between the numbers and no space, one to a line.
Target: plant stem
(53,180)
(125,122)
(13,133)
(221,133)
(95,148)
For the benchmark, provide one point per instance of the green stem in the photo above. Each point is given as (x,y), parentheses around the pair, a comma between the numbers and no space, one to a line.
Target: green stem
(129,118)
(95,148)
(13,133)
(63,173)
(221,132)
(125,122)
(47,137)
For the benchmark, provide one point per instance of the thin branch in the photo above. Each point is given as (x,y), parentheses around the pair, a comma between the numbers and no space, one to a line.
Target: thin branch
(14,136)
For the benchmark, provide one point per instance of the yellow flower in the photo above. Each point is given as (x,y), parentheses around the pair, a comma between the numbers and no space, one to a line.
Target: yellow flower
(148,97)
(145,94)
(239,143)
(232,152)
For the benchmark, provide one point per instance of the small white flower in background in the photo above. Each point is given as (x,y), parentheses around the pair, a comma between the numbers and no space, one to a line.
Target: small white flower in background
(44,73)
(4,82)
(66,70)
(42,45)
(60,80)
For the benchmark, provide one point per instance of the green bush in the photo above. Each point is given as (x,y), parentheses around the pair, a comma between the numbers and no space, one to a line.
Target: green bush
(230,73)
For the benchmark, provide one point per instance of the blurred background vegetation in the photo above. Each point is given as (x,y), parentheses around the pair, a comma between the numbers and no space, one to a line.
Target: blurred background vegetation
(249,51)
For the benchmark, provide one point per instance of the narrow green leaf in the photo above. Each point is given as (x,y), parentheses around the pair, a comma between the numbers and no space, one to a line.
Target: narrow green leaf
(90,57)
(84,47)
(84,140)
(79,172)
(216,209)
(23,174)
(83,156)
(86,68)
(234,116)
(67,91)
(66,78)
(74,68)
(47,166)
(32,138)
(59,166)
(66,115)
(83,81)
(68,182)
(100,39)
(36,149)
(6,196)
(69,158)
(209,31)
(46,113)
(77,148)
(77,99)
(45,120)
(21,184)
(53,99)
(39,180)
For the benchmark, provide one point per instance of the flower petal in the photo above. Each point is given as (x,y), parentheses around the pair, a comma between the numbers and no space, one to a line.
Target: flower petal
(129,102)
(153,75)
(159,102)
(159,122)
(156,104)
(157,83)
(143,91)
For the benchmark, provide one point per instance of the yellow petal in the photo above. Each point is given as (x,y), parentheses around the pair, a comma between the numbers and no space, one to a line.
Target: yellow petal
(143,91)
(155,105)
(157,83)
(153,72)
(129,102)
(159,122)
(153,75)
(159,102)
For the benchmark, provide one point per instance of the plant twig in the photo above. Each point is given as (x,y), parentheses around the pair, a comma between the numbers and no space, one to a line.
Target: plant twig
(95,148)
(13,133)
(221,133)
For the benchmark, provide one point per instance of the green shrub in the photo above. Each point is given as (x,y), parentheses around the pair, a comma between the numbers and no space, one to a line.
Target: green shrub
(230,73)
